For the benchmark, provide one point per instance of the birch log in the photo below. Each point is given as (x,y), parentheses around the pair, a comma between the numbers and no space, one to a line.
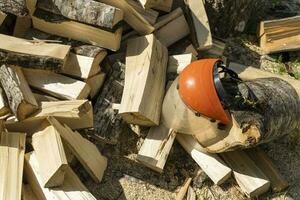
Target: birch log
(15,7)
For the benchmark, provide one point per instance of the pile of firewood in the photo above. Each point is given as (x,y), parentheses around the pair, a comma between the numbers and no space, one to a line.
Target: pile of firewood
(123,55)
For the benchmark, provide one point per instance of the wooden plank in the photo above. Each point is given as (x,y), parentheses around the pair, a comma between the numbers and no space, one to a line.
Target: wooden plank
(85,151)
(178,62)
(72,188)
(32,54)
(2,17)
(77,114)
(20,98)
(145,77)
(12,149)
(211,164)
(50,155)
(27,193)
(265,164)
(200,26)
(149,14)
(173,31)
(156,147)
(163,5)
(57,85)
(95,83)
(249,177)
(131,16)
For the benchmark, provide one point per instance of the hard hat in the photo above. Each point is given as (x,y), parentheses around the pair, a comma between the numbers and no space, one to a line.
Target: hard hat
(197,89)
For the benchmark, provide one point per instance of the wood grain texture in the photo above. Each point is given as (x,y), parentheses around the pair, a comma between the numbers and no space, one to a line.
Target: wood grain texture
(12,150)
(145,79)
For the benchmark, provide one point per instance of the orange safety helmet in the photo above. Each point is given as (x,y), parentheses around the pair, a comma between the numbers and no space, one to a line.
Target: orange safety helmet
(197,90)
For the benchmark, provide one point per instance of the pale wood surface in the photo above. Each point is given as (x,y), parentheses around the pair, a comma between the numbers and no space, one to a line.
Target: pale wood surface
(249,177)
(57,85)
(178,62)
(145,79)
(72,188)
(211,164)
(12,149)
(95,83)
(50,155)
(163,5)
(85,151)
(156,147)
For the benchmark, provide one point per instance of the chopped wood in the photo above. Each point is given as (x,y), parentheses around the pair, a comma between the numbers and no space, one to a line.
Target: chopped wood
(191,195)
(217,48)
(249,177)
(173,31)
(85,151)
(27,193)
(178,62)
(21,26)
(2,17)
(15,7)
(12,149)
(210,163)
(77,114)
(20,98)
(165,19)
(145,79)
(190,49)
(50,155)
(184,188)
(72,188)
(149,14)
(163,5)
(43,97)
(4,106)
(57,85)
(95,83)
(280,35)
(156,147)
(200,29)
(265,164)
(131,16)
(32,54)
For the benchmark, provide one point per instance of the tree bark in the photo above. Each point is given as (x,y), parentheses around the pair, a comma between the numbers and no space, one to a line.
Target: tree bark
(15,7)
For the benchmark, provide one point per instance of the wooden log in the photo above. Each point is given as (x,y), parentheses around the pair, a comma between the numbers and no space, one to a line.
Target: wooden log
(131,16)
(57,85)
(4,106)
(173,31)
(156,147)
(50,155)
(149,14)
(40,97)
(77,114)
(165,19)
(145,79)
(20,98)
(249,177)
(12,149)
(280,35)
(178,62)
(211,164)
(72,188)
(31,54)
(15,7)
(27,193)
(184,188)
(199,25)
(21,26)
(2,17)
(95,83)
(163,5)
(89,12)
(85,151)
(265,164)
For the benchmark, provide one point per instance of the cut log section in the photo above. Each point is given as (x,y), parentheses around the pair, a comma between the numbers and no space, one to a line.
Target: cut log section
(77,114)
(2,17)
(163,5)
(32,54)
(178,62)
(149,14)
(57,85)
(72,188)
(249,177)
(145,79)
(12,149)
(85,151)
(200,29)
(50,155)
(173,31)
(211,164)
(95,84)
(280,35)
(20,98)
(15,7)
(156,147)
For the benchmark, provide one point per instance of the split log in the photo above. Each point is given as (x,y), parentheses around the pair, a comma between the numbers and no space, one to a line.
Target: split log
(217,48)
(27,193)
(163,5)
(85,151)
(31,54)
(149,14)
(12,150)
(15,7)
(4,106)
(21,26)
(86,11)
(39,97)
(165,19)
(184,188)
(2,17)
(50,155)
(20,98)
(77,114)
(145,79)
(178,62)
(72,188)
(156,147)
(57,85)
(95,83)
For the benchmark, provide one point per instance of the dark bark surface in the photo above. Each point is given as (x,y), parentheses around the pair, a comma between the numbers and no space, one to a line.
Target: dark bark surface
(15,7)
